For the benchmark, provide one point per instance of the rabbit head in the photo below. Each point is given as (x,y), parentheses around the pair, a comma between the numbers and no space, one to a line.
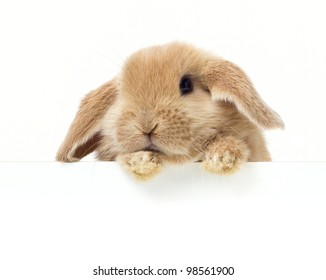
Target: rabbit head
(170,99)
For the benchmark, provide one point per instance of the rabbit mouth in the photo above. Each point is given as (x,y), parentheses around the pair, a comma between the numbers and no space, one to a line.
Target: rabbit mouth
(152,148)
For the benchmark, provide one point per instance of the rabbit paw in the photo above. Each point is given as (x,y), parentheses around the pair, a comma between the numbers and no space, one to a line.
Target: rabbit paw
(225,156)
(143,165)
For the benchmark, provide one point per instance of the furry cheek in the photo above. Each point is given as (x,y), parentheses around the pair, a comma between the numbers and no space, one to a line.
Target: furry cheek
(128,137)
(120,128)
(173,142)
(174,133)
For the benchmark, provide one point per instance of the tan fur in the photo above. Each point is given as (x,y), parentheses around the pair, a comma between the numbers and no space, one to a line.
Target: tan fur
(141,120)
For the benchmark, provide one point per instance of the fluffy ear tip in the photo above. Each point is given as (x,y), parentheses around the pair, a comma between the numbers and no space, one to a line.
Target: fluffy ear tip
(282,125)
(279,126)
(64,158)
(60,159)
(277,123)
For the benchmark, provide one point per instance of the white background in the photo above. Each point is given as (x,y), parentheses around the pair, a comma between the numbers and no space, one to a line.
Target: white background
(53,52)
(61,221)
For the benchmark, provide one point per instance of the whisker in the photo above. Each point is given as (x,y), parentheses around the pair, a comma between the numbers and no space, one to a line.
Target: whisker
(230,127)
(198,149)
(111,50)
(110,60)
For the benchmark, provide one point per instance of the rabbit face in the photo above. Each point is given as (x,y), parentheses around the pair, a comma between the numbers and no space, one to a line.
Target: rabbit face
(163,104)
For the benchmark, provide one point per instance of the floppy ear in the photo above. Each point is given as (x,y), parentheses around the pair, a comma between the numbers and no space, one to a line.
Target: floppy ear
(84,133)
(228,82)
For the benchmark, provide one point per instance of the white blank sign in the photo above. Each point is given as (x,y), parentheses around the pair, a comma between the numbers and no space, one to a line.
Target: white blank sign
(65,221)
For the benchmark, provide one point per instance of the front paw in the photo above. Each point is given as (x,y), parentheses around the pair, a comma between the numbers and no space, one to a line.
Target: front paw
(143,165)
(225,157)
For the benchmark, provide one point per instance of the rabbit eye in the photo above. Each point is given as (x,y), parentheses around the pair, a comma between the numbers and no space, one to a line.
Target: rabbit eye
(185,85)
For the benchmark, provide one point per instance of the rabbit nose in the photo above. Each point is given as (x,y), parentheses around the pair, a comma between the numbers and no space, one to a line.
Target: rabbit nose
(150,131)
(147,131)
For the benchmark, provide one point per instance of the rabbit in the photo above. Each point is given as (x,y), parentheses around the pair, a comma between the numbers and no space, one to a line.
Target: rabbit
(172,103)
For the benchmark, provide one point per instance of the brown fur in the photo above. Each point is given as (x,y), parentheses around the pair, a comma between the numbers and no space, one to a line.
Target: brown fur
(141,120)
